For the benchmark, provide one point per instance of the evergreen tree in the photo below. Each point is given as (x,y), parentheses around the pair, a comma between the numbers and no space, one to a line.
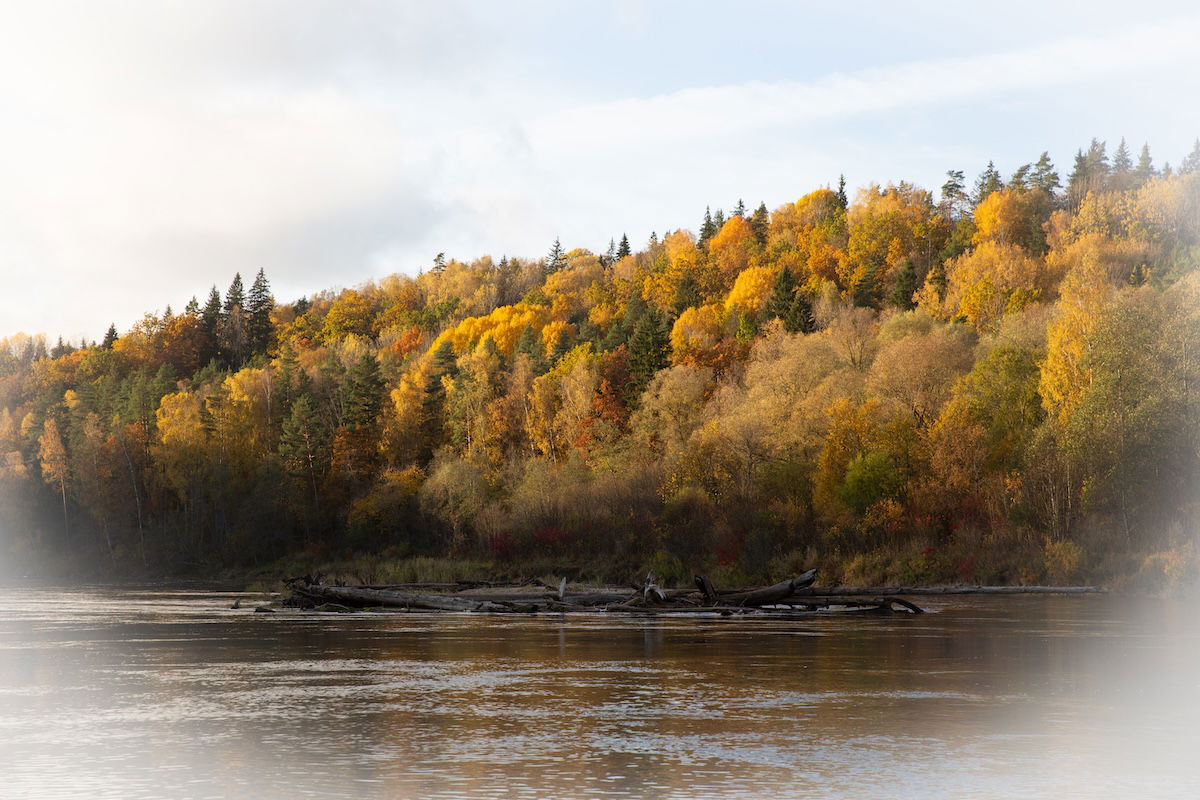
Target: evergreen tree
(760,224)
(610,255)
(843,202)
(623,248)
(109,337)
(782,295)
(1044,176)
(235,297)
(905,287)
(1191,163)
(718,221)
(687,294)
(505,283)
(988,181)
(1144,170)
(1122,163)
(439,264)
(707,228)
(556,260)
(442,364)
(799,316)
(1020,178)
(740,209)
(529,346)
(259,305)
(304,444)
(954,196)
(649,348)
(192,309)
(562,346)
(363,391)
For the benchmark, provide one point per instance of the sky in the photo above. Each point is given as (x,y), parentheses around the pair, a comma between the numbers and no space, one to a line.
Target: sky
(150,150)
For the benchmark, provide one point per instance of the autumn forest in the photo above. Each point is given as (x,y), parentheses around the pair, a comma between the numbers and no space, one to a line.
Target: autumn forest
(997,381)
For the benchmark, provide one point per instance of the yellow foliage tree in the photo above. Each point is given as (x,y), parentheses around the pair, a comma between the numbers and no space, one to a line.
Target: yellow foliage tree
(752,289)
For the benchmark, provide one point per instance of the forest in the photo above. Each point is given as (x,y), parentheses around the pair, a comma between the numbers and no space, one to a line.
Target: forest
(994,383)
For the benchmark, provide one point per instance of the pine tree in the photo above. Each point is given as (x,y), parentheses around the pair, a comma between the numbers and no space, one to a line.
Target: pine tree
(1144,170)
(439,264)
(740,209)
(556,260)
(192,309)
(1191,163)
(109,337)
(988,181)
(259,305)
(1044,176)
(954,195)
(759,223)
(623,248)
(1020,178)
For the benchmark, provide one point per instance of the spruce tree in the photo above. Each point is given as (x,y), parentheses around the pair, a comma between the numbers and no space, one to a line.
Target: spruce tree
(235,297)
(799,316)
(707,227)
(782,295)
(649,348)
(1122,163)
(687,294)
(718,221)
(610,255)
(212,312)
(529,346)
(623,248)
(740,209)
(555,260)
(259,305)
(442,364)
(304,444)
(759,223)
(363,393)
(192,309)
(110,337)
(904,288)
(843,202)
(1144,170)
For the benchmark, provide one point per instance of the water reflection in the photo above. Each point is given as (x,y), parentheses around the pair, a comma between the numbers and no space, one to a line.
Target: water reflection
(169,694)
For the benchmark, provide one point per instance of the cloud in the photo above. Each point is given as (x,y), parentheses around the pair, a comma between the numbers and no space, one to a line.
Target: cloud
(733,110)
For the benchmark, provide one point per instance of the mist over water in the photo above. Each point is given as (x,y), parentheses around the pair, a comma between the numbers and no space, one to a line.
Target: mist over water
(150,694)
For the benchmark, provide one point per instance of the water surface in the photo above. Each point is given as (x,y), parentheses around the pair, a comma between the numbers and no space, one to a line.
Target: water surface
(150,694)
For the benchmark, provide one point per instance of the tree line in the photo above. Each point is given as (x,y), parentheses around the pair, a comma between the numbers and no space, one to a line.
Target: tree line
(993,384)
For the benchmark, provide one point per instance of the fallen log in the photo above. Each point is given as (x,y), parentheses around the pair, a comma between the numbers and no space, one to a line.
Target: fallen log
(755,597)
(360,598)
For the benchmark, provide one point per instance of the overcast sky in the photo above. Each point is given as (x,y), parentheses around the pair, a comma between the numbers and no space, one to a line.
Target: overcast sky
(151,149)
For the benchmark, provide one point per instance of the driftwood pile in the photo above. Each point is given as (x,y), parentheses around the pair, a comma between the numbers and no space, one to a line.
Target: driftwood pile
(782,599)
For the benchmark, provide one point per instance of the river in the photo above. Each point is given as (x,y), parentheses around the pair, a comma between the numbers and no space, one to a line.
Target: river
(118,693)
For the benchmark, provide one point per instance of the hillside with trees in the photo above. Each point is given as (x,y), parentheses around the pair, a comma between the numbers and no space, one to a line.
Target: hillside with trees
(996,382)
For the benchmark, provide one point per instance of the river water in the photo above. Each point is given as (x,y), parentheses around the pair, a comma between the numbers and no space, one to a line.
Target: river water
(152,694)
